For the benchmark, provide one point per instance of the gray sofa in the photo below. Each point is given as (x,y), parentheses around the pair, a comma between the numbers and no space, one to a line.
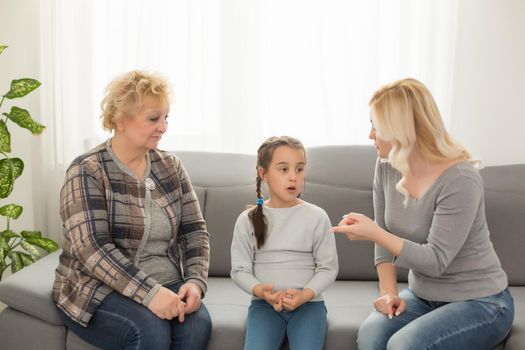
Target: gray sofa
(339,180)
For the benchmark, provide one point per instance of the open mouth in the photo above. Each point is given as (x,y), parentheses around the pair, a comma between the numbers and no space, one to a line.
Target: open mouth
(291,188)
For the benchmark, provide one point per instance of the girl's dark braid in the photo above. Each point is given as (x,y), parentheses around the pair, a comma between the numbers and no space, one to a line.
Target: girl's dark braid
(258,220)
(264,158)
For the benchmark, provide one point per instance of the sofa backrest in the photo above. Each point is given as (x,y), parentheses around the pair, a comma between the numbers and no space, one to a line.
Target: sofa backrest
(339,180)
(505,210)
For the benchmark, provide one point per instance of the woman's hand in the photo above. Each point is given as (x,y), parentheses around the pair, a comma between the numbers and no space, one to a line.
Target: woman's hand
(166,305)
(358,227)
(293,298)
(266,292)
(390,305)
(190,293)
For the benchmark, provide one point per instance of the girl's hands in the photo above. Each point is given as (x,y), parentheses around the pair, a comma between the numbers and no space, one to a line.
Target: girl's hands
(266,292)
(390,305)
(293,298)
(289,299)
(358,227)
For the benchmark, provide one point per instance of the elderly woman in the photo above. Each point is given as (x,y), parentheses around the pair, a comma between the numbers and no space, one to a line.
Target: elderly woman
(135,255)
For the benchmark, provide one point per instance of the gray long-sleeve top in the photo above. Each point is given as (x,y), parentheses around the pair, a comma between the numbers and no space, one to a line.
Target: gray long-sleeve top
(299,251)
(447,245)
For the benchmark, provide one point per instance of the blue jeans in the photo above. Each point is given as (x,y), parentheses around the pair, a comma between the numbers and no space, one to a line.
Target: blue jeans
(266,328)
(121,323)
(473,324)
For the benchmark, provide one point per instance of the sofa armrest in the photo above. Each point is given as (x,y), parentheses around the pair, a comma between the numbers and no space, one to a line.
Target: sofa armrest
(29,290)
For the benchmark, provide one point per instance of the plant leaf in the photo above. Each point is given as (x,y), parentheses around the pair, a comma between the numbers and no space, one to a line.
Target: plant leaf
(18,166)
(4,248)
(31,234)
(10,169)
(16,261)
(11,210)
(44,243)
(6,177)
(30,249)
(2,48)
(21,87)
(5,138)
(22,117)
(27,259)
(8,234)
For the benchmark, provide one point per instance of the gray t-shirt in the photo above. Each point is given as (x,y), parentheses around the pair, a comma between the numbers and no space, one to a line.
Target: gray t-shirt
(153,250)
(299,251)
(447,245)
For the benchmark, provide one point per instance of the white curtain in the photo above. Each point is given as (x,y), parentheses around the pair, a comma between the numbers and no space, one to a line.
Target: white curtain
(241,70)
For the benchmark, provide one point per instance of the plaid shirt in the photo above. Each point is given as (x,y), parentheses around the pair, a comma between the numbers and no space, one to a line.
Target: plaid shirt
(103,215)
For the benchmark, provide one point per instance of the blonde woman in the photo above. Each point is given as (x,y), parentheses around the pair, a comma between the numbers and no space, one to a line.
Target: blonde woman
(429,218)
(126,208)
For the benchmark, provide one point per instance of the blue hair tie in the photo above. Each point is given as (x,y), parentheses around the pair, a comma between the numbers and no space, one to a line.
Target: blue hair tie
(260,201)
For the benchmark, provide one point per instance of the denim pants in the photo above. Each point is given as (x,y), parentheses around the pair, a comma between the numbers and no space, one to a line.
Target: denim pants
(121,323)
(266,328)
(473,324)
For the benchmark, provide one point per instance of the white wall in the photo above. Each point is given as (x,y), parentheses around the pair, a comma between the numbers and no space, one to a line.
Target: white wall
(19,30)
(489,80)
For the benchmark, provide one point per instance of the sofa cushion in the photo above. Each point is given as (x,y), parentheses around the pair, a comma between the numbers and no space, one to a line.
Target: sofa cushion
(19,330)
(505,209)
(352,167)
(516,340)
(223,206)
(201,196)
(29,290)
(210,169)
(228,307)
(348,304)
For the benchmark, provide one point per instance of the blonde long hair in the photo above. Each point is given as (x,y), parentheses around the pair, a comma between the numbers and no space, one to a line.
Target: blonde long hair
(407,116)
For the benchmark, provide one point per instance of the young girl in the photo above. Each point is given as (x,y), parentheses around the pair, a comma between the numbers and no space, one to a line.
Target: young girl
(282,254)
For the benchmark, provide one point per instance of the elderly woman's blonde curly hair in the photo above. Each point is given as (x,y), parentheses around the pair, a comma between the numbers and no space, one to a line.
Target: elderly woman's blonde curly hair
(126,94)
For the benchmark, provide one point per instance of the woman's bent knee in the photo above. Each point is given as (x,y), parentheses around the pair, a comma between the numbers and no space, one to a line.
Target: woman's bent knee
(373,333)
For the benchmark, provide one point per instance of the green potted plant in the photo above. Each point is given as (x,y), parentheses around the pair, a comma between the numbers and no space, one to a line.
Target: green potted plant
(17,250)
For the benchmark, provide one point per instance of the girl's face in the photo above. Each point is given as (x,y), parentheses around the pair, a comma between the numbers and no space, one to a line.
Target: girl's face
(145,128)
(383,147)
(285,176)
